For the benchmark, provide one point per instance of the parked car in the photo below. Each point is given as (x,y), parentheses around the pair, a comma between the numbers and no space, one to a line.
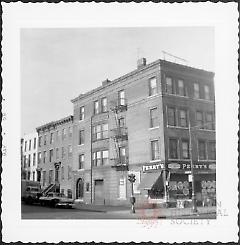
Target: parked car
(54,199)
(30,191)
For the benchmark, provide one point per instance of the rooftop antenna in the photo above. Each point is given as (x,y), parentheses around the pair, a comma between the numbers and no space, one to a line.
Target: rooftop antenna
(173,56)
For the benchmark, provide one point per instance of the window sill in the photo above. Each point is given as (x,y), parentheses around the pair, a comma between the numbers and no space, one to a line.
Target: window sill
(81,145)
(177,127)
(154,128)
(181,160)
(154,161)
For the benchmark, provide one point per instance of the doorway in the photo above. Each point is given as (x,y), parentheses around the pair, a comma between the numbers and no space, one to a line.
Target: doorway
(99,192)
(79,188)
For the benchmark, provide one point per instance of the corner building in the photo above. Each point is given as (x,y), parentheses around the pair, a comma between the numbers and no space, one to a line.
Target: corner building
(55,155)
(155,122)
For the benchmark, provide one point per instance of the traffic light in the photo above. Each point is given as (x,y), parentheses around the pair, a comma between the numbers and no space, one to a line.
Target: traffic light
(132,178)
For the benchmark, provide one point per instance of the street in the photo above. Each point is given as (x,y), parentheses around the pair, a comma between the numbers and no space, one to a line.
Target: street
(39,212)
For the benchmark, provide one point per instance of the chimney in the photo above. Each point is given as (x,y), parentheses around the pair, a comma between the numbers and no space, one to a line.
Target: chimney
(141,63)
(105,82)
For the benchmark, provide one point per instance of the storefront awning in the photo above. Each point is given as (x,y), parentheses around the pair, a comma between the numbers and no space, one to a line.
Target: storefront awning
(149,180)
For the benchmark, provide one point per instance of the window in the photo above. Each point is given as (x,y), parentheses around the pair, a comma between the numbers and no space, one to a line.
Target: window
(202,150)
(104,104)
(62,173)
(100,131)
(39,157)
(155,151)
(25,147)
(185,149)
(69,172)
(63,133)
(57,135)
(24,161)
(70,132)
(51,155)
(81,137)
(196,88)
(44,156)
(181,88)
(81,113)
(57,153)
(50,177)
(29,174)
(69,193)
(45,139)
(29,160)
(87,187)
(34,159)
(39,141)
(69,150)
(210,121)
(212,151)
(173,148)
(81,161)
(63,152)
(104,157)
(199,119)
(33,175)
(44,177)
(153,118)
(121,122)
(104,131)
(206,92)
(30,142)
(34,143)
(121,97)
(172,117)
(100,158)
(96,107)
(152,86)
(183,118)
(169,85)
(51,138)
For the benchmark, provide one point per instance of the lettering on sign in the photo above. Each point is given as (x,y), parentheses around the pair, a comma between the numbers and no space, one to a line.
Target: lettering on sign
(174,166)
(188,166)
(152,167)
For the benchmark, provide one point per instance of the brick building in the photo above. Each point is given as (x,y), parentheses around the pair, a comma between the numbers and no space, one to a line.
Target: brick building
(55,155)
(155,122)
(29,156)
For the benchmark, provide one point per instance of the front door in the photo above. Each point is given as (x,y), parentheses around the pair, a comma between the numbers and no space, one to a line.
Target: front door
(79,189)
(99,192)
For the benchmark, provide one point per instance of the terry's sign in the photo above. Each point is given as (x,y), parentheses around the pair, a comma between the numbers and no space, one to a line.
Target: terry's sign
(158,166)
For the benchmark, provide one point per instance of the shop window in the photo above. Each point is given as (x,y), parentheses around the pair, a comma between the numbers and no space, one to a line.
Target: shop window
(206,92)
(81,161)
(181,88)
(81,113)
(81,137)
(155,150)
(210,121)
(96,107)
(212,151)
(153,118)
(183,122)
(185,149)
(152,86)
(171,116)
(202,150)
(169,85)
(104,104)
(173,148)
(199,119)
(196,88)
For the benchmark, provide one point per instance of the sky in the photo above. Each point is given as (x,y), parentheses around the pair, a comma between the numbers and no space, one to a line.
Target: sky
(59,64)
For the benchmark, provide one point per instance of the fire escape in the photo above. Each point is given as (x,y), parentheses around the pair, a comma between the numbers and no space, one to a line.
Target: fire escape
(119,134)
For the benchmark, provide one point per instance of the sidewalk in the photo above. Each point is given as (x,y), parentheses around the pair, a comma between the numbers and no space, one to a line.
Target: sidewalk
(144,212)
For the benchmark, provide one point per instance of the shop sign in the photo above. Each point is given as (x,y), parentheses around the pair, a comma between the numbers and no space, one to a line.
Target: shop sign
(158,166)
(186,166)
(174,166)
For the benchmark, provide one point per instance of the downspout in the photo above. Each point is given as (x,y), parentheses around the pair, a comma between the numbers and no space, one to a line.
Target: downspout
(91,158)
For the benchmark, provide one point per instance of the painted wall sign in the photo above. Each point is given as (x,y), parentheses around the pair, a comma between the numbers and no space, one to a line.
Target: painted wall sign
(158,166)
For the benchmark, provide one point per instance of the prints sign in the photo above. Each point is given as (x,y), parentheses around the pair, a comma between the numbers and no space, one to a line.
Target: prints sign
(147,168)
(186,166)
